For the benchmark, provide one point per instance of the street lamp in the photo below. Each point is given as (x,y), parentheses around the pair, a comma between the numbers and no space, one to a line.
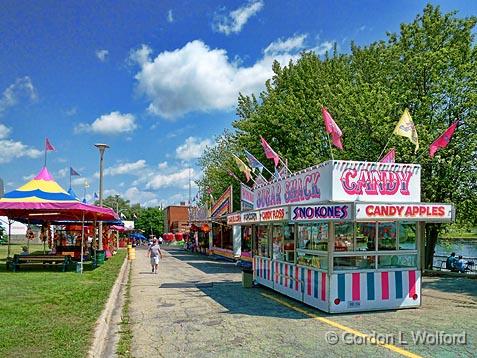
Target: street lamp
(102,148)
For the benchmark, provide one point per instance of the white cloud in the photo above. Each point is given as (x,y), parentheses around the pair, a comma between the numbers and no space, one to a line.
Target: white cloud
(170,17)
(22,88)
(10,150)
(197,78)
(102,55)
(162,165)
(235,20)
(4,131)
(78,181)
(176,179)
(192,148)
(323,48)
(291,44)
(113,123)
(28,177)
(71,111)
(62,173)
(176,199)
(145,198)
(126,168)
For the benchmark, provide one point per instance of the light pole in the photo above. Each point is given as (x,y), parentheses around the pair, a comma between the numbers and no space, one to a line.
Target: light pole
(102,148)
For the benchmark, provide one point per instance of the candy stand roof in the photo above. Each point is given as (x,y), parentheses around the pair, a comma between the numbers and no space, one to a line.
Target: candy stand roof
(43,198)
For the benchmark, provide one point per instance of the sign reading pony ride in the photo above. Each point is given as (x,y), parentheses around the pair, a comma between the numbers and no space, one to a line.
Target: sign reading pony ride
(344,181)
(223,205)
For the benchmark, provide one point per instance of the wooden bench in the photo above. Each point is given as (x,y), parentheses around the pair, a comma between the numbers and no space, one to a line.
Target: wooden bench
(40,260)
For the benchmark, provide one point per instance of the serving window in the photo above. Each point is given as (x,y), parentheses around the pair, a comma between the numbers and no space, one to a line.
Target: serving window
(387,245)
(313,237)
(283,242)
(344,236)
(262,241)
(407,236)
(312,248)
(246,242)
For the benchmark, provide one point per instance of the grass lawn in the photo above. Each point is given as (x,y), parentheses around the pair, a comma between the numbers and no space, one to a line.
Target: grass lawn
(47,313)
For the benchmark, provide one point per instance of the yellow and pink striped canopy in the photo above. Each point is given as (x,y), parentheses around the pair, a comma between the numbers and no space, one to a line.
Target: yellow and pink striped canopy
(44,197)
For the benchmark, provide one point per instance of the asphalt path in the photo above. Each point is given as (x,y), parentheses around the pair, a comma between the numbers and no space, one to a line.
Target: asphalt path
(196,307)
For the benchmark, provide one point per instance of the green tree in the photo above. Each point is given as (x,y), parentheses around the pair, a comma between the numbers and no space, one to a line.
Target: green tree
(150,221)
(428,67)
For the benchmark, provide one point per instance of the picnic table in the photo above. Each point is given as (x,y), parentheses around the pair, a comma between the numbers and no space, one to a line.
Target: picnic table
(39,260)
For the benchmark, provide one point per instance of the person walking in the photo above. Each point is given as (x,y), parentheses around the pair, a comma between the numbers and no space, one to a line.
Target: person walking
(154,252)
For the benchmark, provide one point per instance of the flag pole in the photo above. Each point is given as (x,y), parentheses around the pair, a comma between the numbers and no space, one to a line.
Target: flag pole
(384,149)
(331,149)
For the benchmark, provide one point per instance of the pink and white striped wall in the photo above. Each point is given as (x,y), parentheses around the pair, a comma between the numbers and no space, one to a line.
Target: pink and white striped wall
(342,292)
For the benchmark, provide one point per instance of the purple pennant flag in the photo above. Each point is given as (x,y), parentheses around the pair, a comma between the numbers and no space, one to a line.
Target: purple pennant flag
(73,172)
(254,163)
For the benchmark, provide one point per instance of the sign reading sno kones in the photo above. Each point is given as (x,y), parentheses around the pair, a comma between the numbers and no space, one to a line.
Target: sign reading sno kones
(413,212)
(321,212)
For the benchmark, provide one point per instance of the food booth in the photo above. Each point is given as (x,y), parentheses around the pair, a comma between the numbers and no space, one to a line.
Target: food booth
(344,236)
(225,237)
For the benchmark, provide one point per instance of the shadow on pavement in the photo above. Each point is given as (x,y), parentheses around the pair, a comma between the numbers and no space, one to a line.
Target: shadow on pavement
(248,301)
(206,264)
(458,285)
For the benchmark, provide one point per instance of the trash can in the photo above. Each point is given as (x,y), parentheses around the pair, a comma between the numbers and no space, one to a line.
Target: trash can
(247,273)
(247,279)
(131,253)
(100,255)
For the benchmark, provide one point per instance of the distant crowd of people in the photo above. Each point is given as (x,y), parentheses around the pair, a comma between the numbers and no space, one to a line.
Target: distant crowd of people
(457,264)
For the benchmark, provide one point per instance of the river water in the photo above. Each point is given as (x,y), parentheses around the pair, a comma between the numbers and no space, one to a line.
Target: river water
(466,248)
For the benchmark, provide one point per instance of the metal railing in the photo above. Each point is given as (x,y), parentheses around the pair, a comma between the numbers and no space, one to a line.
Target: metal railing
(439,263)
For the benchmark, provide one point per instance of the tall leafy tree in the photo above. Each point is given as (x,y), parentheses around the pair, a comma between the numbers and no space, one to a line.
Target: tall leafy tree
(428,67)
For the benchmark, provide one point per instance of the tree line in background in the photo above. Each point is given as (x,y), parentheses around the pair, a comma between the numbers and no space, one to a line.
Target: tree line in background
(149,220)
(429,67)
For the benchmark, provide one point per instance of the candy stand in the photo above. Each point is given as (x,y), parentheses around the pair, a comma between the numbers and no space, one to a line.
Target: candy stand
(344,236)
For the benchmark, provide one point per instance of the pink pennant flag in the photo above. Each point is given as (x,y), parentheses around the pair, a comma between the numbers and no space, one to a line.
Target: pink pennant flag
(332,128)
(269,152)
(48,145)
(390,157)
(443,140)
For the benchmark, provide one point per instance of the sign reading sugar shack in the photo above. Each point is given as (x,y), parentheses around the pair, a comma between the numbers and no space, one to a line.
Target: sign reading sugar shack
(344,181)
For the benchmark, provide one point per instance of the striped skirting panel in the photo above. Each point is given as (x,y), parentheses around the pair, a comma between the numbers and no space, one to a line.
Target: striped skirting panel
(375,290)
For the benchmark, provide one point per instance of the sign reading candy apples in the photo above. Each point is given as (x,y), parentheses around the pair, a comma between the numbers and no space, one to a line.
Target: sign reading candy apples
(412,212)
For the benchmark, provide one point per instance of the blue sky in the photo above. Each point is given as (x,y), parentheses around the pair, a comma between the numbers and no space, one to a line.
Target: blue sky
(156,80)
